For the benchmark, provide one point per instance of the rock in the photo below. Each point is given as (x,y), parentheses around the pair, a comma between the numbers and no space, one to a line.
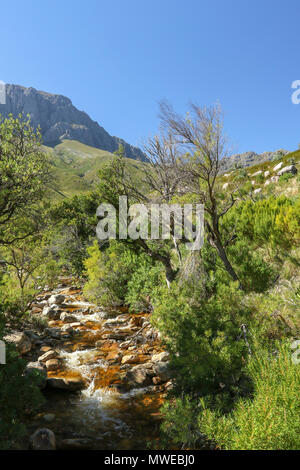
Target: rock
(21,342)
(76,444)
(288,169)
(75,324)
(266,174)
(51,312)
(267,183)
(162,369)
(53,332)
(43,439)
(274,179)
(56,299)
(125,344)
(68,318)
(67,329)
(257,173)
(225,185)
(129,359)
(37,368)
(71,385)
(253,183)
(50,354)
(161,357)
(52,364)
(257,191)
(169,386)
(277,167)
(139,376)
(116,336)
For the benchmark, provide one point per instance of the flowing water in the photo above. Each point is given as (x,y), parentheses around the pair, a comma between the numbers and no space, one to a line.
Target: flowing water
(104,415)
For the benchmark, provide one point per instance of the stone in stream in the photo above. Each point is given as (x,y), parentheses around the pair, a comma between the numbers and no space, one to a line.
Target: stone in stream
(21,342)
(68,318)
(162,370)
(43,439)
(51,312)
(67,328)
(49,354)
(161,357)
(56,299)
(70,385)
(139,376)
(52,364)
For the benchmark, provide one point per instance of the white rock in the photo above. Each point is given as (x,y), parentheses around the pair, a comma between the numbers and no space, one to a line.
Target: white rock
(257,173)
(277,167)
(225,185)
(288,169)
(266,174)
(257,191)
(56,299)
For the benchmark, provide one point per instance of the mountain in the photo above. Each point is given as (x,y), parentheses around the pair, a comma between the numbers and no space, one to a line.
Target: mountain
(250,159)
(60,120)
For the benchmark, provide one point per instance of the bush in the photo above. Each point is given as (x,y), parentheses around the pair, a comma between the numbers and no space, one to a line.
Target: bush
(270,420)
(19,396)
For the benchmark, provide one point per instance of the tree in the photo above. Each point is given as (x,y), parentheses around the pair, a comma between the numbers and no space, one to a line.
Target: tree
(24,172)
(200,134)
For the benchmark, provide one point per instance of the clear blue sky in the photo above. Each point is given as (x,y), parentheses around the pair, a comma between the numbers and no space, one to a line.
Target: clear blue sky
(117,59)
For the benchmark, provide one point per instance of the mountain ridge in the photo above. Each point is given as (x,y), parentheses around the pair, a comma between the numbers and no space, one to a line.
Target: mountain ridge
(60,120)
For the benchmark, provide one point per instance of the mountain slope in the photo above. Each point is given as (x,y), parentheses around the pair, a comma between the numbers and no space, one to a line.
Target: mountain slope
(60,120)
(76,165)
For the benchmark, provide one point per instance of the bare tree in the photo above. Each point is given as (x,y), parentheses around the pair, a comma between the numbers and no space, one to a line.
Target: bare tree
(200,135)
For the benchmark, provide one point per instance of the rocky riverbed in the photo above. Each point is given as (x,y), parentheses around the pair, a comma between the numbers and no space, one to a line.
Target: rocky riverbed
(105,373)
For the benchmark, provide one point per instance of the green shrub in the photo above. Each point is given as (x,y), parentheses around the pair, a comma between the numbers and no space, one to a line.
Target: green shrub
(270,420)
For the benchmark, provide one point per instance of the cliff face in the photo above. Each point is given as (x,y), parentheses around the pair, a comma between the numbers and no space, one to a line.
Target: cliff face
(60,120)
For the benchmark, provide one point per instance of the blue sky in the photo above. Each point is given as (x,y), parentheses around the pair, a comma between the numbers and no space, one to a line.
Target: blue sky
(117,59)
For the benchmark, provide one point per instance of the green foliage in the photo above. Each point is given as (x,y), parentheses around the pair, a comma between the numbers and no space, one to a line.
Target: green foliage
(143,284)
(270,420)
(202,336)
(19,396)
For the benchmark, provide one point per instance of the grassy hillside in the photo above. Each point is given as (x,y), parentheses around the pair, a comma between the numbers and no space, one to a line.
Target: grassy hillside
(76,165)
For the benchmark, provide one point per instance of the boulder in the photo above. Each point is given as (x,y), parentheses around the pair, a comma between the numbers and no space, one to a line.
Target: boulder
(71,385)
(257,173)
(21,342)
(161,357)
(277,167)
(43,439)
(225,185)
(162,370)
(139,376)
(257,191)
(50,354)
(67,329)
(288,169)
(266,174)
(53,332)
(68,318)
(274,179)
(129,359)
(52,364)
(51,312)
(56,299)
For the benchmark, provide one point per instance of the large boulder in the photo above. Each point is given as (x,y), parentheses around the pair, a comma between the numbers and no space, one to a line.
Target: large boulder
(70,385)
(50,354)
(161,357)
(277,167)
(51,312)
(43,439)
(68,318)
(288,169)
(139,376)
(56,299)
(162,370)
(21,342)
